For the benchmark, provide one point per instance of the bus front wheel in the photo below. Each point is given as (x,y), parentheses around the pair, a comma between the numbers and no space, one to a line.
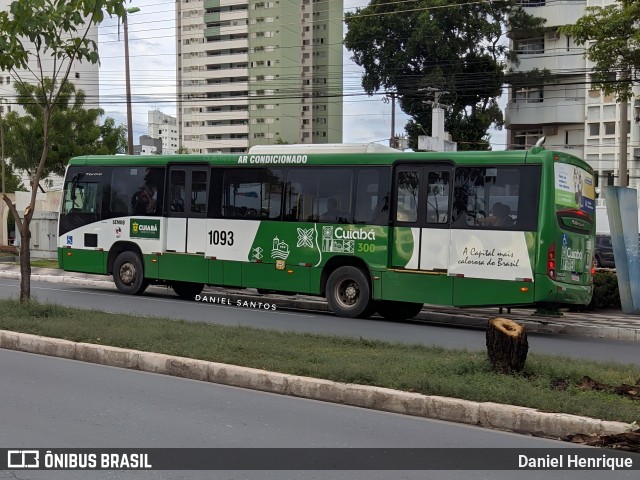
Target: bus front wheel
(128,274)
(349,293)
(390,310)
(187,290)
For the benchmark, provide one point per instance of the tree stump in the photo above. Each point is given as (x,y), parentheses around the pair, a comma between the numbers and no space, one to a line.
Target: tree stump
(507,345)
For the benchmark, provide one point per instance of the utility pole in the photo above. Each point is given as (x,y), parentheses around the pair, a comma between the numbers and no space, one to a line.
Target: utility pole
(624,131)
(2,148)
(392,137)
(128,81)
(125,24)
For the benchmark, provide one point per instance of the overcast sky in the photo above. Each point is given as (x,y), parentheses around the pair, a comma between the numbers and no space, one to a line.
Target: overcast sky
(153,79)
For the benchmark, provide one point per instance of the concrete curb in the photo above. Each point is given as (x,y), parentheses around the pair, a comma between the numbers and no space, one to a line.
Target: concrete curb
(482,414)
(544,326)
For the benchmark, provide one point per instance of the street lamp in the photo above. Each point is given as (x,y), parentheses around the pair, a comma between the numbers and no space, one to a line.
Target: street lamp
(128,79)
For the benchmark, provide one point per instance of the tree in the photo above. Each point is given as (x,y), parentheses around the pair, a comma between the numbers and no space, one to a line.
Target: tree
(73,130)
(113,139)
(13,183)
(615,32)
(434,47)
(35,34)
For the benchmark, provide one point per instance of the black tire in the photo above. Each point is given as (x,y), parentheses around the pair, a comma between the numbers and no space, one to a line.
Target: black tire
(128,274)
(391,310)
(187,290)
(598,262)
(349,293)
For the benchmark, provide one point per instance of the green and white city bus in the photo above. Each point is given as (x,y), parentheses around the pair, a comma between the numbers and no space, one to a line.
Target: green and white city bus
(372,231)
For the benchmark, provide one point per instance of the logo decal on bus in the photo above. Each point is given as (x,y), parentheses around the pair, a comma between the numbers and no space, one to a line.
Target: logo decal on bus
(305,237)
(335,245)
(280,249)
(143,228)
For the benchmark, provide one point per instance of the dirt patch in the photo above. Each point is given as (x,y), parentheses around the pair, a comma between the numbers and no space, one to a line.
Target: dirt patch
(627,441)
(628,391)
(586,384)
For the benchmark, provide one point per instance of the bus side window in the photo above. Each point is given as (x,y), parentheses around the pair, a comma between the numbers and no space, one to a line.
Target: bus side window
(438,197)
(309,190)
(372,196)
(177,191)
(253,194)
(198,191)
(407,194)
(497,197)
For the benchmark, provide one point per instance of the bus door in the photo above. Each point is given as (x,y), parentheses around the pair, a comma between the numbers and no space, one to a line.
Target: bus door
(186,205)
(421,233)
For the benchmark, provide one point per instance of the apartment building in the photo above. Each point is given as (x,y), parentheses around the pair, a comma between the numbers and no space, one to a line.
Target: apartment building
(572,114)
(163,127)
(258,72)
(84,75)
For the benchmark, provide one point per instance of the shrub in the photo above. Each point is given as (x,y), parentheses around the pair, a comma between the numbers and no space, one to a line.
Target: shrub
(605,291)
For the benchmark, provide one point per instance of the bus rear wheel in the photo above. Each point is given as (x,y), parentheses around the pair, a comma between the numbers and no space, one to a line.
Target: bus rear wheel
(128,274)
(349,293)
(187,290)
(390,310)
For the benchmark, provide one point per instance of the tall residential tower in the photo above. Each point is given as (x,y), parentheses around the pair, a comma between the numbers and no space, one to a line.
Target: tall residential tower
(572,114)
(258,72)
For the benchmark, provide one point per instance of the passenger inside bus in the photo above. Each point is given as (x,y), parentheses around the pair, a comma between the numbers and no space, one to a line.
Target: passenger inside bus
(500,216)
(145,200)
(332,214)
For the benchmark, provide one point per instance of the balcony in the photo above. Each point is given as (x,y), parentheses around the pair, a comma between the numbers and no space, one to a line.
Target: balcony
(211,17)
(559,13)
(234,15)
(226,44)
(227,3)
(557,60)
(226,73)
(227,115)
(223,130)
(234,29)
(215,88)
(208,4)
(545,113)
(225,59)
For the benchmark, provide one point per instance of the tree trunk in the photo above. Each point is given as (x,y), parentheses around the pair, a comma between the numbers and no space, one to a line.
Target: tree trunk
(25,261)
(507,345)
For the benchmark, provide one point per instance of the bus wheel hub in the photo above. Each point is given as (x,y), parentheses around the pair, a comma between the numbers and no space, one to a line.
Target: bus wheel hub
(350,293)
(127,273)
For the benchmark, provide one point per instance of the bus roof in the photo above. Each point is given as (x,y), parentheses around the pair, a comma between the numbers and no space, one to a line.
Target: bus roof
(334,154)
(332,148)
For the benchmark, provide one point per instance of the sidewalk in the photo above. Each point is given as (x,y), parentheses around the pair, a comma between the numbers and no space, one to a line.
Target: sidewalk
(609,324)
(482,414)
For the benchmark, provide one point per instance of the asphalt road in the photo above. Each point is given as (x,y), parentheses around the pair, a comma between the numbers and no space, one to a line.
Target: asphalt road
(163,303)
(56,403)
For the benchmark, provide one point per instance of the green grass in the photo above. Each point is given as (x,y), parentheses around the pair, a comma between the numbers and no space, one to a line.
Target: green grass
(44,263)
(427,370)
(39,262)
